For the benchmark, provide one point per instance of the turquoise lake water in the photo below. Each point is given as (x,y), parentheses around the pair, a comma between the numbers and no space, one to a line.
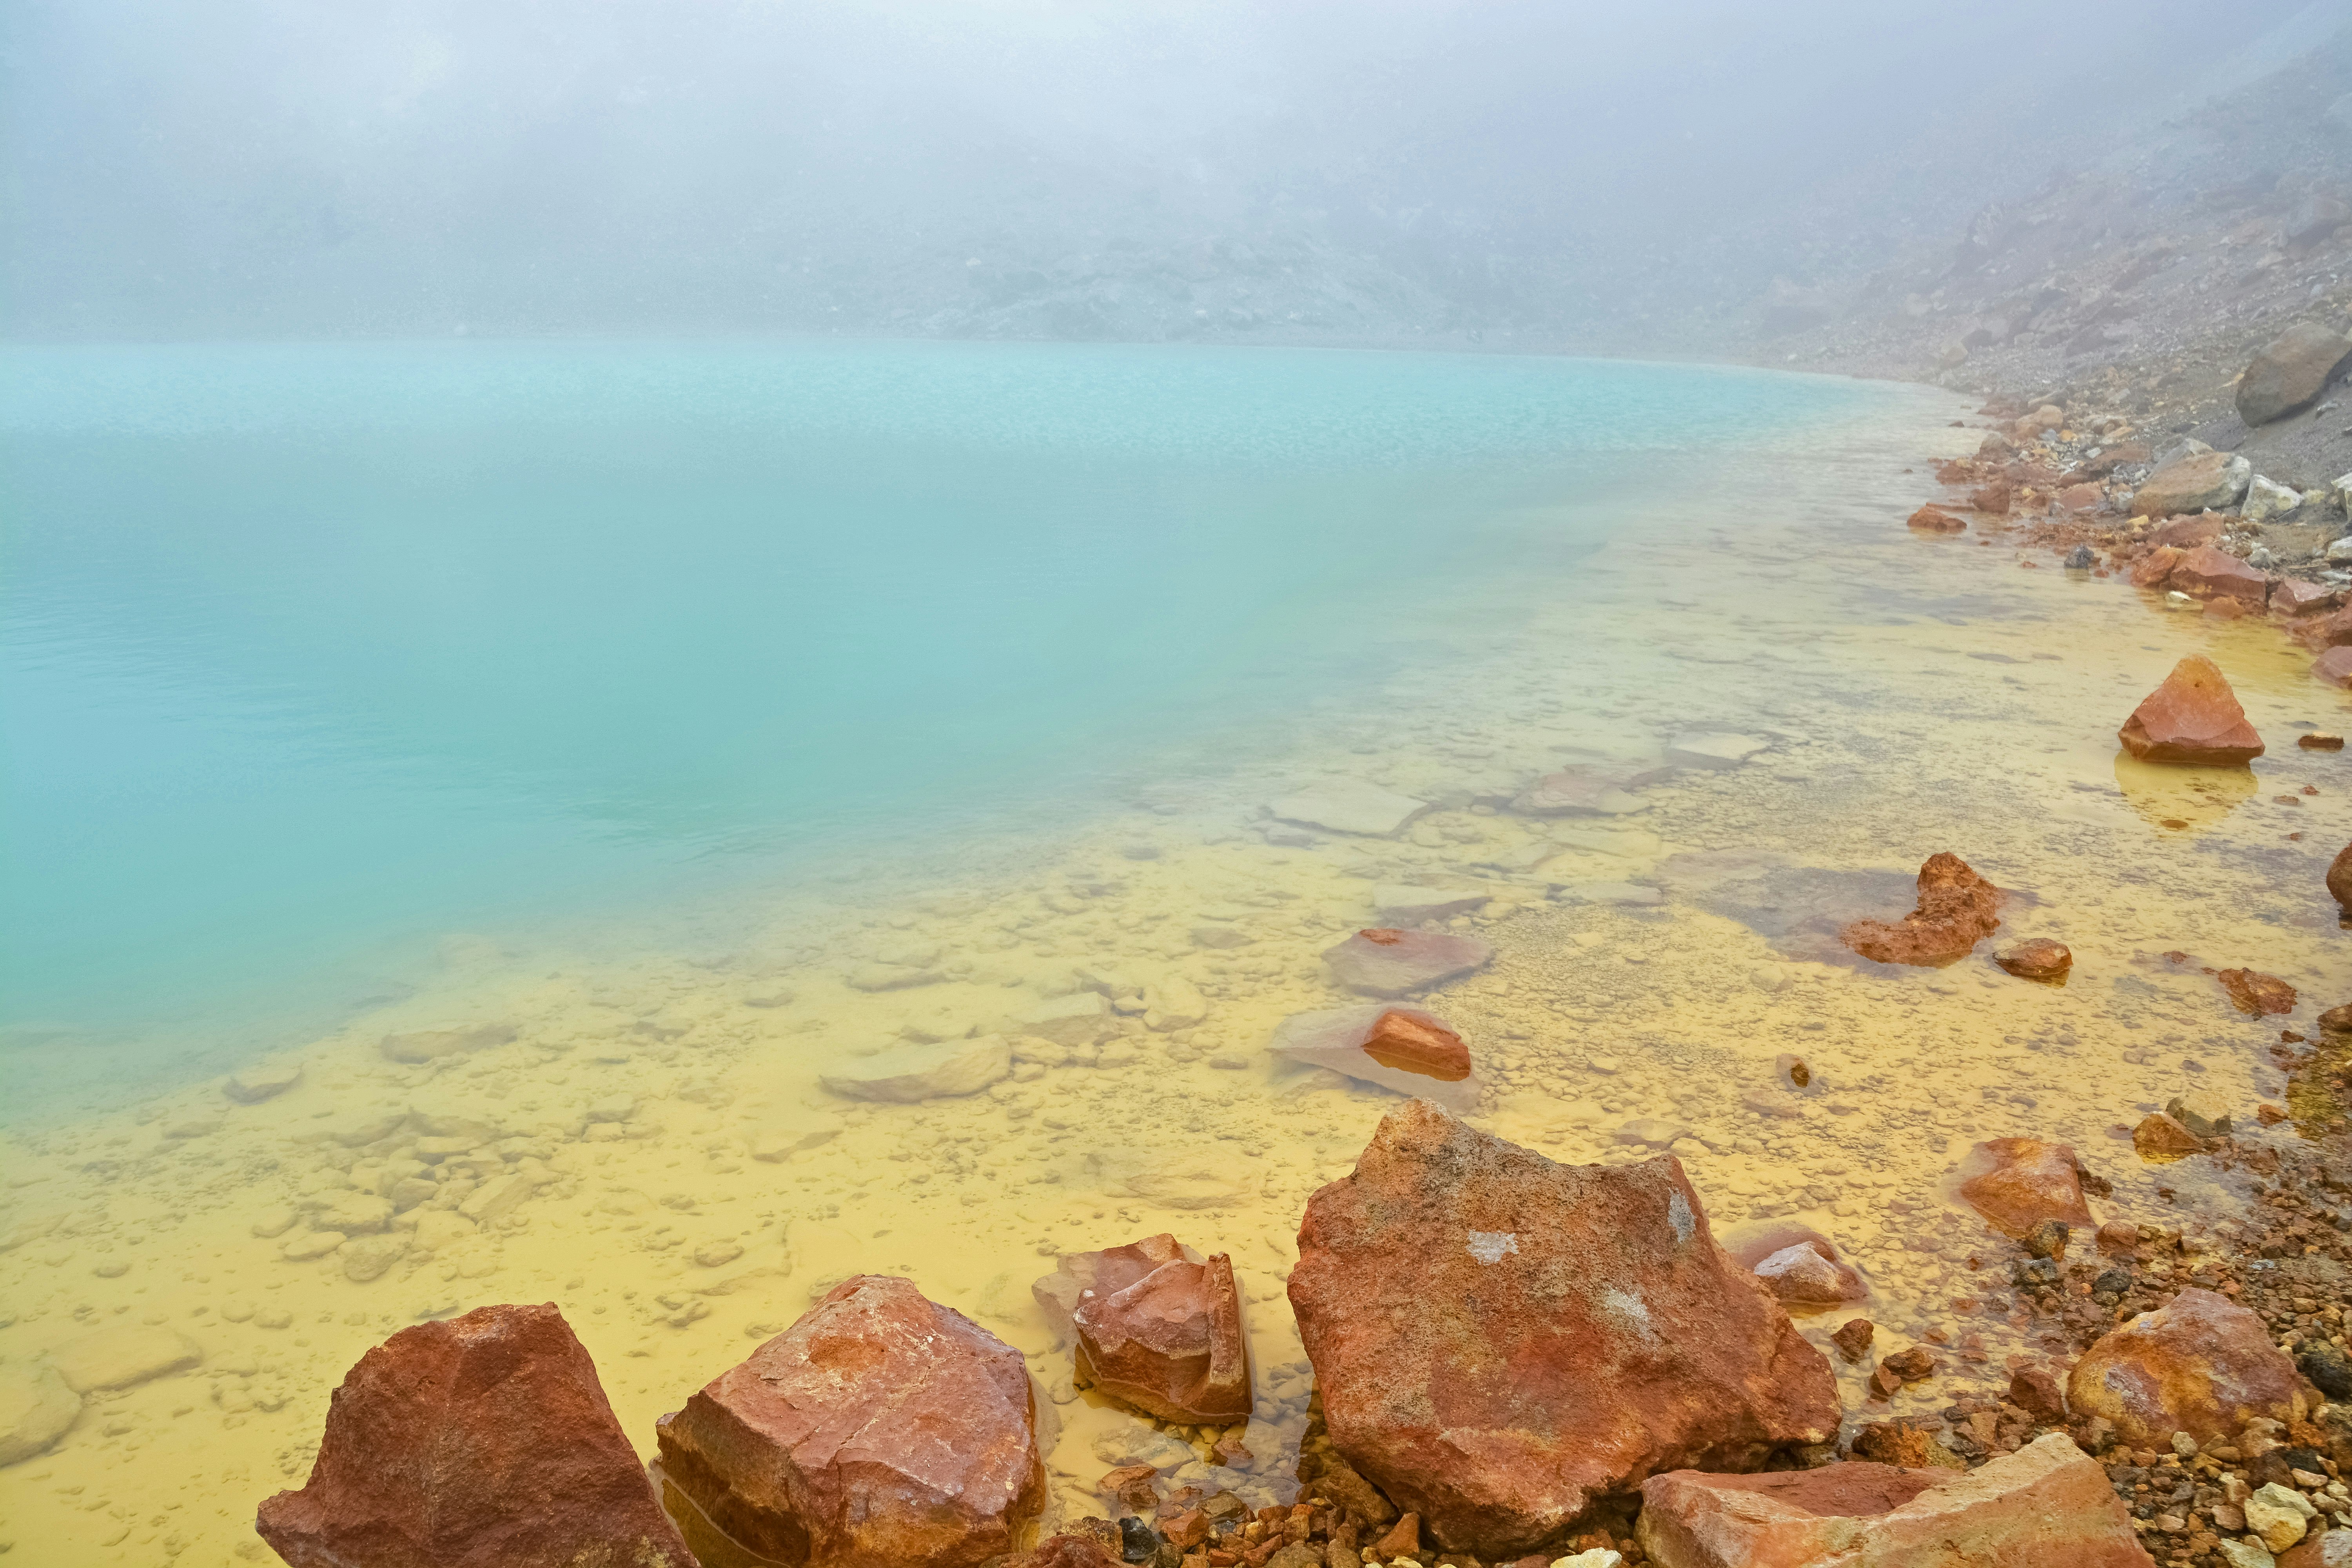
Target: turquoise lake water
(312,654)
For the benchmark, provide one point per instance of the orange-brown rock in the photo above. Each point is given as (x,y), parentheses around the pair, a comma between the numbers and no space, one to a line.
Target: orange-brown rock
(1798,1264)
(2209,572)
(2048,1503)
(1992,498)
(2294,597)
(2193,717)
(1501,1341)
(2255,994)
(1957,909)
(2201,1364)
(1904,1444)
(880,1431)
(1171,1343)
(1416,1043)
(2334,667)
(2019,1182)
(2187,533)
(2085,496)
(2154,569)
(2037,1390)
(2160,1139)
(1933,519)
(2037,958)
(484,1441)
(2339,878)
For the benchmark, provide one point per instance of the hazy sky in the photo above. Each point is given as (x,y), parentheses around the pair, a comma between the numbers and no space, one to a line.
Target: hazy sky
(274,167)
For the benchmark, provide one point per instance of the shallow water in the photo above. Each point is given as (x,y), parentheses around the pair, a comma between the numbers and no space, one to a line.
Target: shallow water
(1477,593)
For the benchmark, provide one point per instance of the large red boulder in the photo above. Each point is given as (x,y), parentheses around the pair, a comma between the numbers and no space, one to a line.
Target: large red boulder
(2334,667)
(2200,1364)
(483,1441)
(2193,717)
(2047,1503)
(2018,1183)
(1957,909)
(1502,1342)
(880,1431)
(2209,574)
(1171,1343)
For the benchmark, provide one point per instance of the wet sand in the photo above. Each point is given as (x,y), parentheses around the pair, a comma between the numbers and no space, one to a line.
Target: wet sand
(652,1149)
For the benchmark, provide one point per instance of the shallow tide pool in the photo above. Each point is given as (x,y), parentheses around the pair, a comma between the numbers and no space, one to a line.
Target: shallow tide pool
(631,735)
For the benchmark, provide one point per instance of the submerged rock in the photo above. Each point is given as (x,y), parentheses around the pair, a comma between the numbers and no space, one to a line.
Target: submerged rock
(432,1045)
(2018,1183)
(2290,372)
(1798,1264)
(880,1431)
(262,1081)
(1957,909)
(1385,961)
(484,1441)
(2048,1502)
(2255,994)
(1169,1344)
(906,1074)
(1403,904)
(1713,749)
(2201,1364)
(2193,717)
(2160,1139)
(121,1356)
(1933,519)
(2037,959)
(1349,806)
(1403,1048)
(1500,1341)
(36,1407)
(1581,790)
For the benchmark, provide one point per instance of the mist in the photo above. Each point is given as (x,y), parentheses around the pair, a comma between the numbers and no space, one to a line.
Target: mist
(1536,174)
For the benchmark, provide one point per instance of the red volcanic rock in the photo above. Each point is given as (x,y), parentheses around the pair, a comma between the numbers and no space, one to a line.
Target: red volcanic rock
(2018,1183)
(2193,717)
(1501,1341)
(1103,1273)
(2201,1364)
(2255,994)
(2333,629)
(2294,597)
(2037,958)
(1933,519)
(1171,1343)
(1992,498)
(1382,963)
(1854,1336)
(476,1442)
(2207,573)
(1417,1043)
(2186,533)
(2085,497)
(880,1431)
(2155,569)
(2334,667)
(2037,1390)
(2048,1502)
(1957,910)
(2339,878)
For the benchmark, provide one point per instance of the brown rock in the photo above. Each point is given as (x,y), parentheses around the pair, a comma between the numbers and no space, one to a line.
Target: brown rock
(483,1441)
(1077,1548)
(1386,963)
(2333,1550)
(2255,994)
(2085,496)
(2203,482)
(1401,1541)
(1134,1485)
(2320,741)
(2160,1140)
(1416,1043)
(2186,533)
(2290,372)
(2226,609)
(2037,1390)
(1992,498)
(2118,1235)
(2155,569)
(2295,597)
(2333,629)
(880,1431)
(2334,667)
(2193,717)
(1933,519)
(1501,1341)
(2037,958)
(1171,1343)
(1103,1273)
(2019,1182)
(2203,1365)
(2340,880)
(2048,1503)
(2207,573)
(1804,1278)
(1901,1443)
(1957,909)
(1914,1366)
(1852,1339)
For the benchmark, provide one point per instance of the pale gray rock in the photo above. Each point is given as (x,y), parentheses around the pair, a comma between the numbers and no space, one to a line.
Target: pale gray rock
(263,1080)
(123,1355)
(1081,1018)
(1583,790)
(911,1073)
(1407,904)
(2265,501)
(36,1406)
(1714,748)
(1349,806)
(456,1039)
(1608,893)
(1386,963)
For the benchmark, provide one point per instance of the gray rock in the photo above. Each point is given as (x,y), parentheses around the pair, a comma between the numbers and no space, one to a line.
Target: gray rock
(1406,904)
(2202,481)
(2290,372)
(2080,559)
(2266,499)
(263,1080)
(1398,962)
(1081,1018)
(1349,806)
(36,1406)
(1713,749)
(1580,791)
(432,1045)
(121,1356)
(912,1073)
